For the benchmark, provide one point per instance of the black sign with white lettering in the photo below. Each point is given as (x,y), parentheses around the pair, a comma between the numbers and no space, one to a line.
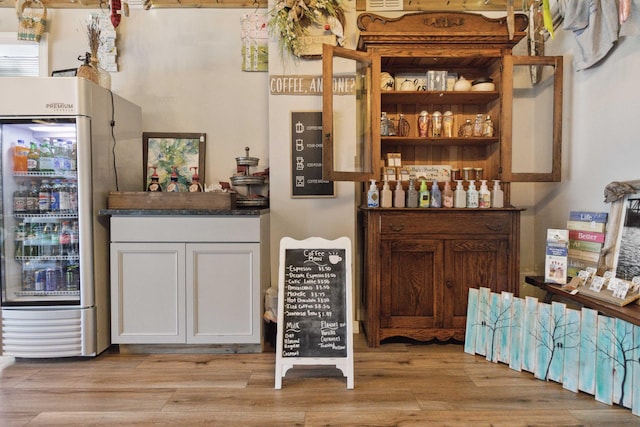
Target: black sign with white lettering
(315,315)
(306,156)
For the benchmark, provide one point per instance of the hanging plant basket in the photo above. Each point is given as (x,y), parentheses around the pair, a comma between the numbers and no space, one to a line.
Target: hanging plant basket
(302,26)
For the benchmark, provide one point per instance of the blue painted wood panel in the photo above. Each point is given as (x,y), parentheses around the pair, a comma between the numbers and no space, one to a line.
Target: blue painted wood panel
(515,347)
(588,334)
(604,360)
(571,367)
(472,319)
(622,363)
(544,341)
(483,320)
(529,334)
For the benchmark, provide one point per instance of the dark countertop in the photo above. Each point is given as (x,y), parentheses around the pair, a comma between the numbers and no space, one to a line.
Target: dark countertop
(185,212)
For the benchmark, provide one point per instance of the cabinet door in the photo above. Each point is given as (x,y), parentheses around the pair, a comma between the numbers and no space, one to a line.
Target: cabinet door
(349,150)
(533,141)
(472,263)
(223,293)
(411,272)
(147,293)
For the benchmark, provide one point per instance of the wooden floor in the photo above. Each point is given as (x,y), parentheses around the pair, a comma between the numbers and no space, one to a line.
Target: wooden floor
(395,385)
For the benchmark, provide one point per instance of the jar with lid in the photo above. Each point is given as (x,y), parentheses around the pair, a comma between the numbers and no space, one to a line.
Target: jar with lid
(487,129)
(467,174)
(478,125)
(423,124)
(478,174)
(466,129)
(436,123)
(384,124)
(403,126)
(447,124)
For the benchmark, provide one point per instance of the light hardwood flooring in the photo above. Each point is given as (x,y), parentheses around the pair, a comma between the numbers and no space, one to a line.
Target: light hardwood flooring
(397,384)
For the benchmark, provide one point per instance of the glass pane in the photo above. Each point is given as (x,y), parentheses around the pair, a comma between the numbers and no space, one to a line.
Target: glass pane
(532,142)
(40,251)
(351,116)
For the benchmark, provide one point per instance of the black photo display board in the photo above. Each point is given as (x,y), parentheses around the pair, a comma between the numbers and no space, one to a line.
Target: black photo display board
(314,303)
(306,156)
(315,319)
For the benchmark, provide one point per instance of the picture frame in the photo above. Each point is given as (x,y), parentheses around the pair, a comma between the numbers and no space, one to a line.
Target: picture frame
(69,72)
(626,254)
(163,151)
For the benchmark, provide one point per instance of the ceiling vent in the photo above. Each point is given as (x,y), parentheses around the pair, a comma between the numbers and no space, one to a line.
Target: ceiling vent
(384,5)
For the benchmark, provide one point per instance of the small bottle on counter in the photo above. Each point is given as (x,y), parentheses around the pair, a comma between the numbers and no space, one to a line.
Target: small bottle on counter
(154,185)
(472,195)
(436,195)
(447,195)
(484,196)
(412,195)
(373,196)
(424,195)
(460,196)
(195,186)
(398,196)
(386,197)
(497,195)
(174,185)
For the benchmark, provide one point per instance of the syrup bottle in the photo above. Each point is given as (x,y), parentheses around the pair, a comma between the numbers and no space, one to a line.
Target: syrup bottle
(195,186)
(154,185)
(174,185)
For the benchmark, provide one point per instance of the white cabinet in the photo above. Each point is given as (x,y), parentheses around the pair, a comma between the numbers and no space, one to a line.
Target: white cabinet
(188,280)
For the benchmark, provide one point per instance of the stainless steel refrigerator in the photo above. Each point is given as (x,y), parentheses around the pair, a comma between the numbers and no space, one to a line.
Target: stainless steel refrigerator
(66,143)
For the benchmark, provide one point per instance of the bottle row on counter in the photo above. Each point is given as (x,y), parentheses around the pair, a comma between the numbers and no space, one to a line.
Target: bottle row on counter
(435,197)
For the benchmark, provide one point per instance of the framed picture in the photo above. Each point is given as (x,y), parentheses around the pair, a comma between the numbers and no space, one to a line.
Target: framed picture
(627,247)
(166,153)
(69,72)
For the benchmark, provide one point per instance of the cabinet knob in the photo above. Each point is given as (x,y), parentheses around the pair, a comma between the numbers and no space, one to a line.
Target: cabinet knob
(449,284)
(396,227)
(496,227)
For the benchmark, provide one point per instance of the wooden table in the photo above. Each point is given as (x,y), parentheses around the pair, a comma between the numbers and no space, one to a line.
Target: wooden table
(629,313)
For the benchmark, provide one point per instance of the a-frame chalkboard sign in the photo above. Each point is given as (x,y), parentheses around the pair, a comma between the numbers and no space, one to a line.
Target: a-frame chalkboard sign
(315,319)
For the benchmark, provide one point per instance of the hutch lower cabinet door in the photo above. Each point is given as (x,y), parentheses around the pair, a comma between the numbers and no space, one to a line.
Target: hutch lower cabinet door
(420,264)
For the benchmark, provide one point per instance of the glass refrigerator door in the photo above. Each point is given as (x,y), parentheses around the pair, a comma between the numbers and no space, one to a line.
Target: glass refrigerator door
(40,257)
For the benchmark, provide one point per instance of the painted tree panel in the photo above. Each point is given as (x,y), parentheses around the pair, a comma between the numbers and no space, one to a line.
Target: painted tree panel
(544,342)
(504,333)
(604,360)
(635,397)
(472,319)
(571,368)
(557,334)
(483,319)
(529,333)
(515,348)
(623,362)
(588,334)
(493,327)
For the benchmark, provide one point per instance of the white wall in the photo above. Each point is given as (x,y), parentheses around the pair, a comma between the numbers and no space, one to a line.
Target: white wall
(183,68)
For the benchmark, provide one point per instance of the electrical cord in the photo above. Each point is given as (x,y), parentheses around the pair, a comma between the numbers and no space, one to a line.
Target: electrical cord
(112,123)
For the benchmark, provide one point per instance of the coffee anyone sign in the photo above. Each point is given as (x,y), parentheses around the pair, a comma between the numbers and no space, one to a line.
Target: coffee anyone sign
(310,85)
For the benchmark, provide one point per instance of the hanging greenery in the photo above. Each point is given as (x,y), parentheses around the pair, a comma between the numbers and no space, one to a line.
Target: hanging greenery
(290,20)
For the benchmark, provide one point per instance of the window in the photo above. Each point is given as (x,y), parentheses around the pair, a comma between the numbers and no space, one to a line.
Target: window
(23,58)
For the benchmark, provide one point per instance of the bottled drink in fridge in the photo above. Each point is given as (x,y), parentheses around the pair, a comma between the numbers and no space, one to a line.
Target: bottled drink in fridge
(65,238)
(32,198)
(20,153)
(19,240)
(71,155)
(20,199)
(44,197)
(33,158)
(46,157)
(54,203)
